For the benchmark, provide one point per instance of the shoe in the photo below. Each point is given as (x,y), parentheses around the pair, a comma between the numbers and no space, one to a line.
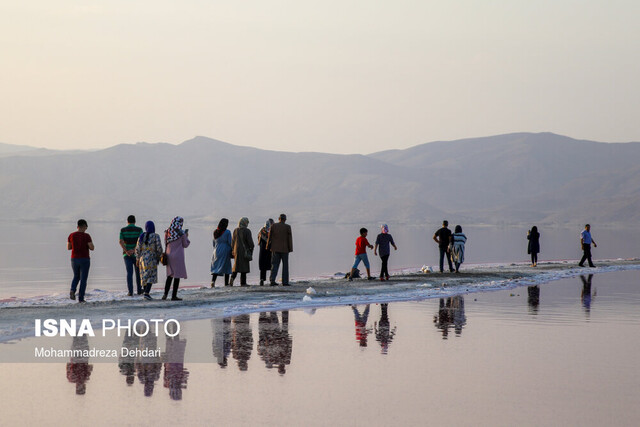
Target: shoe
(81,300)
(147,297)
(130,294)
(350,279)
(231,281)
(176,299)
(580,265)
(286,284)
(261,282)
(370,278)
(213,285)
(273,284)
(382,279)
(72,295)
(387,278)
(243,284)
(140,292)
(592,266)
(164,297)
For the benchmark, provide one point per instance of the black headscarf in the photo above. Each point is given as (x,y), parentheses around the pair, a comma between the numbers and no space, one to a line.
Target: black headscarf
(222,225)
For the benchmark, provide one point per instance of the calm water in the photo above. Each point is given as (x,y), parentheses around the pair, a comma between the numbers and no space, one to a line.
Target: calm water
(34,259)
(563,353)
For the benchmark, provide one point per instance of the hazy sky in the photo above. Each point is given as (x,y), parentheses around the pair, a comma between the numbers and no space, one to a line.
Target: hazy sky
(334,76)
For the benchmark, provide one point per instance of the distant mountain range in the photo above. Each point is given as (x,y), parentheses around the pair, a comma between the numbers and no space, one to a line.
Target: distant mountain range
(521,178)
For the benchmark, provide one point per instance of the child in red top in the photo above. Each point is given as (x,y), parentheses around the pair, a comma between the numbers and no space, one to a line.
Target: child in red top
(361,254)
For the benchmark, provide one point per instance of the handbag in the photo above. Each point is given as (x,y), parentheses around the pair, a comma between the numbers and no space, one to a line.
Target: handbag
(248,254)
(164,259)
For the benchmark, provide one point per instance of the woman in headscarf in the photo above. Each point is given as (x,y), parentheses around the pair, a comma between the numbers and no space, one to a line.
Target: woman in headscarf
(176,239)
(383,241)
(533,236)
(264,259)
(221,261)
(241,251)
(458,239)
(148,252)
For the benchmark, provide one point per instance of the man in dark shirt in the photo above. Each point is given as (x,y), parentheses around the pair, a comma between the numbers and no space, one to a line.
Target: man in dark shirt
(128,240)
(442,237)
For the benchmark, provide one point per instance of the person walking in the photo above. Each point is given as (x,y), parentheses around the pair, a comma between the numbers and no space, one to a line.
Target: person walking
(280,243)
(80,243)
(533,236)
(176,240)
(241,251)
(221,260)
(128,240)
(585,241)
(361,254)
(458,240)
(442,238)
(383,241)
(264,257)
(148,253)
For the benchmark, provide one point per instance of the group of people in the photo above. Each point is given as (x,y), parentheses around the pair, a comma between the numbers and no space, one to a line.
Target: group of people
(142,251)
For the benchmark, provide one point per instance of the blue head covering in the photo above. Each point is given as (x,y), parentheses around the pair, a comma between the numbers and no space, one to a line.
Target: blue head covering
(149,228)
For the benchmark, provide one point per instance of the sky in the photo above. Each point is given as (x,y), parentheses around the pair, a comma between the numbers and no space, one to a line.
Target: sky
(348,76)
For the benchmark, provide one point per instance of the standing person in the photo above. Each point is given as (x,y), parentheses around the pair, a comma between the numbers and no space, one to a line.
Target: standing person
(128,240)
(241,251)
(221,260)
(534,245)
(148,252)
(175,240)
(280,242)
(361,254)
(383,241)
(458,240)
(585,241)
(80,243)
(442,237)
(264,259)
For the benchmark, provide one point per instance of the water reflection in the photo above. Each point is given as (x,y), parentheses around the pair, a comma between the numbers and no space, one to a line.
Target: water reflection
(361,324)
(241,340)
(450,315)
(126,361)
(383,331)
(148,364)
(586,296)
(175,374)
(534,298)
(221,342)
(78,369)
(274,342)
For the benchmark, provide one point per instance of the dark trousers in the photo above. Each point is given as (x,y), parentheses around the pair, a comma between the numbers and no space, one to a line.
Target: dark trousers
(243,277)
(131,265)
(276,257)
(534,258)
(214,276)
(167,286)
(80,267)
(443,253)
(587,255)
(384,271)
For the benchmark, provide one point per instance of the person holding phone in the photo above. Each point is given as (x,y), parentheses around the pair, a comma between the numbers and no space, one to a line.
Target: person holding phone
(176,240)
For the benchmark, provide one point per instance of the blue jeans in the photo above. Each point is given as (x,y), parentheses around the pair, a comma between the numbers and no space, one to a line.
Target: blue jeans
(130,263)
(362,257)
(275,263)
(80,267)
(443,253)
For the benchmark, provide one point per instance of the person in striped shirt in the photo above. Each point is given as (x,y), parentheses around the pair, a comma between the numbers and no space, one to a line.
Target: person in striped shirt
(128,240)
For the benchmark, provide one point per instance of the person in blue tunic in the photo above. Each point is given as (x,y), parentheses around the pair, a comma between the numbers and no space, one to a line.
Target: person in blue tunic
(221,261)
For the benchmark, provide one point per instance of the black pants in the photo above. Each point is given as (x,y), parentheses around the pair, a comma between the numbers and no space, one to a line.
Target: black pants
(214,276)
(243,278)
(587,255)
(534,258)
(443,253)
(167,286)
(384,271)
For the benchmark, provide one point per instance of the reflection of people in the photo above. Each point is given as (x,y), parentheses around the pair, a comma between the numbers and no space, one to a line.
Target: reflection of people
(78,369)
(126,362)
(442,237)
(274,342)
(534,298)
(148,364)
(384,334)
(148,253)
(451,314)
(221,262)
(264,259)
(175,374)
(585,241)
(80,243)
(280,243)
(175,240)
(585,295)
(458,240)
(383,241)
(361,324)
(221,342)
(241,340)
(128,240)
(241,251)
(533,247)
